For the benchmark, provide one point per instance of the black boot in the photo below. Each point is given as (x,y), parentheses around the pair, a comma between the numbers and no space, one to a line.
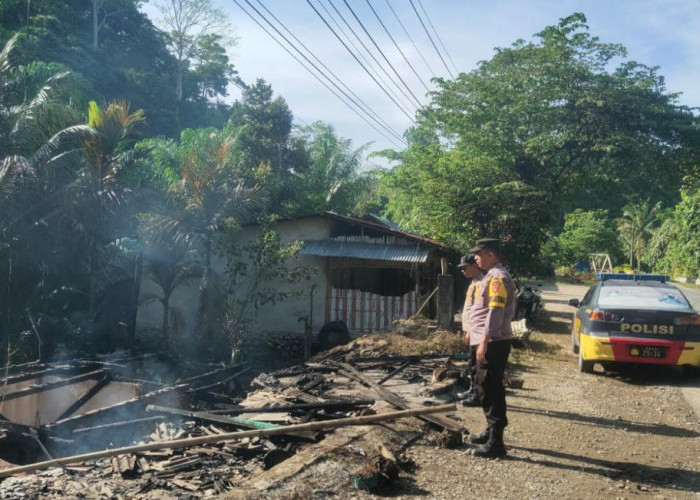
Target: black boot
(470,398)
(494,447)
(481,438)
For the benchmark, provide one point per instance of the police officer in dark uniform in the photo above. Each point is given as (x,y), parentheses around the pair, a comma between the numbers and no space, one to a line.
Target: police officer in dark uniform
(472,272)
(490,337)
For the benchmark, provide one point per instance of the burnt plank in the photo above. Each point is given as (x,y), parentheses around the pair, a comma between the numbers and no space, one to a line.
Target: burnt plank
(394,372)
(85,397)
(394,399)
(34,389)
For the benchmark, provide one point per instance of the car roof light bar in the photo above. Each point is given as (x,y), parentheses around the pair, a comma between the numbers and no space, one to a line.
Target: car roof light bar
(662,278)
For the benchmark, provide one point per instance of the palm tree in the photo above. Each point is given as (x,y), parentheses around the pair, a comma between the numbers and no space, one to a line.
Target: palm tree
(31,144)
(333,180)
(170,268)
(636,225)
(203,199)
(94,198)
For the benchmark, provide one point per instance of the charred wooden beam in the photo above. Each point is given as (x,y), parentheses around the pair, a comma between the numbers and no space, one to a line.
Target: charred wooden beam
(219,382)
(34,389)
(324,405)
(231,436)
(220,419)
(394,399)
(75,421)
(55,370)
(394,372)
(116,425)
(85,397)
(204,376)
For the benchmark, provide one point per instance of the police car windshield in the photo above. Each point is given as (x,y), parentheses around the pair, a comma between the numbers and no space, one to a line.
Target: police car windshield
(642,297)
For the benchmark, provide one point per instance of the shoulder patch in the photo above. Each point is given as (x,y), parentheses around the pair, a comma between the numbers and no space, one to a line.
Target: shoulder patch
(498,294)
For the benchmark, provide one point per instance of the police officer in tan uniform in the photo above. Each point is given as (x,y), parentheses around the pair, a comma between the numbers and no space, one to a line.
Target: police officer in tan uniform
(490,341)
(472,272)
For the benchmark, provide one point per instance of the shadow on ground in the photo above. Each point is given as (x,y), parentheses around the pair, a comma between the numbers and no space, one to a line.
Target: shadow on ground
(670,477)
(642,428)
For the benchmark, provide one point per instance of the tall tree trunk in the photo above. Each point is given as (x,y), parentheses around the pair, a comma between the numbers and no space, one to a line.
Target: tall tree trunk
(178,82)
(166,313)
(95,23)
(135,291)
(632,249)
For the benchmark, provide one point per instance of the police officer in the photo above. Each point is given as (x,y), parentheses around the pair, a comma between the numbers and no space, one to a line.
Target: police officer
(472,272)
(490,341)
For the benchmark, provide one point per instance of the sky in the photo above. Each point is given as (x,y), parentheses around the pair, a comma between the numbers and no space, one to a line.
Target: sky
(664,33)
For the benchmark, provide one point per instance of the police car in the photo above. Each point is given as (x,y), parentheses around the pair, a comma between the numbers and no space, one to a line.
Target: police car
(635,319)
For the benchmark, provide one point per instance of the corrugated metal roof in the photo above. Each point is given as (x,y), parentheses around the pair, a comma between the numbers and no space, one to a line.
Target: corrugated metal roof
(370,251)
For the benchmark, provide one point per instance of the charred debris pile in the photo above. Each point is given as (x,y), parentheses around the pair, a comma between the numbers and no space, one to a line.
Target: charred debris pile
(103,426)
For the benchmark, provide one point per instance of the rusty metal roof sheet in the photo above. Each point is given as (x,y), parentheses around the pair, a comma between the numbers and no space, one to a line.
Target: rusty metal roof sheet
(360,250)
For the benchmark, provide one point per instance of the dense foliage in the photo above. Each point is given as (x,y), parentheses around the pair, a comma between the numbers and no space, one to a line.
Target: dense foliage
(544,127)
(118,158)
(86,207)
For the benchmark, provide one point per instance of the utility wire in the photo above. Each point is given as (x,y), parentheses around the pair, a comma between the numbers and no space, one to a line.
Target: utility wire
(358,61)
(371,55)
(349,39)
(418,103)
(357,100)
(431,38)
(353,109)
(397,46)
(408,35)
(437,35)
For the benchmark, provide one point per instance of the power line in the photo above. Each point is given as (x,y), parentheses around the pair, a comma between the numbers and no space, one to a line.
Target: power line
(437,35)
(313,74)
(371,55)
(408,35)
(358,61)
(387,86)
(431,38)
(360,103)
(397,46)
(382,53)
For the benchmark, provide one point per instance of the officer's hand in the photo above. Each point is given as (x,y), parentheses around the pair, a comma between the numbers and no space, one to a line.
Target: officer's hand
(481,351)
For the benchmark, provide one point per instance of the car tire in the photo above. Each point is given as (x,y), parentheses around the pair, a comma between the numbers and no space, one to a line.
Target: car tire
(583,365)
(574,347)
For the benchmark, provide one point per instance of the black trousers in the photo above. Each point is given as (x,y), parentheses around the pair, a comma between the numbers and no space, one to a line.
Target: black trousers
(489,382)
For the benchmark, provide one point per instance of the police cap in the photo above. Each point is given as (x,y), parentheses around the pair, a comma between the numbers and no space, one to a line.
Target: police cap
(493,244)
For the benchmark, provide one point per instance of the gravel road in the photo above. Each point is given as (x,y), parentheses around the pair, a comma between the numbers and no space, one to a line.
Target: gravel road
(615,435)
(628,434)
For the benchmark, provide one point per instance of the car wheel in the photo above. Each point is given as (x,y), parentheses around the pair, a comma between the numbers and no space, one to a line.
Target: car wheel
(574,347)
(583,365)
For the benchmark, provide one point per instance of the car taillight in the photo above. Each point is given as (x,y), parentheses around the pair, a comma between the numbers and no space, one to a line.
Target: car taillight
(598,315)
(688,320)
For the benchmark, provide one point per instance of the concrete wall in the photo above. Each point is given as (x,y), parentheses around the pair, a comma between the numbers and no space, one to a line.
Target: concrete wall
(282,317)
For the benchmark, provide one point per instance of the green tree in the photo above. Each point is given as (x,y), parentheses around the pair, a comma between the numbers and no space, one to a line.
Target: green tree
(203,198)
(585,232)
(188,24)
(675,245)
(636,226)
(333,180)
(553,115)
(213,71)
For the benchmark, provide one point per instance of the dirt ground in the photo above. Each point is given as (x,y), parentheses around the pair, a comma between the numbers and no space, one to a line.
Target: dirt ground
(624,434)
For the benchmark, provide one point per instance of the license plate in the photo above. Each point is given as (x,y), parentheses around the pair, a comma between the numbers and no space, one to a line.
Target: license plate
(647,351)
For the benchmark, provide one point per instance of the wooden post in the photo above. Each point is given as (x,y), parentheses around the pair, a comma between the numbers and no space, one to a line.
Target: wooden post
(445,301)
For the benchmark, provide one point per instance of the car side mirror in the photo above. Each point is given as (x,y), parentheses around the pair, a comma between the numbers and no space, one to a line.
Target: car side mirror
(574,302)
